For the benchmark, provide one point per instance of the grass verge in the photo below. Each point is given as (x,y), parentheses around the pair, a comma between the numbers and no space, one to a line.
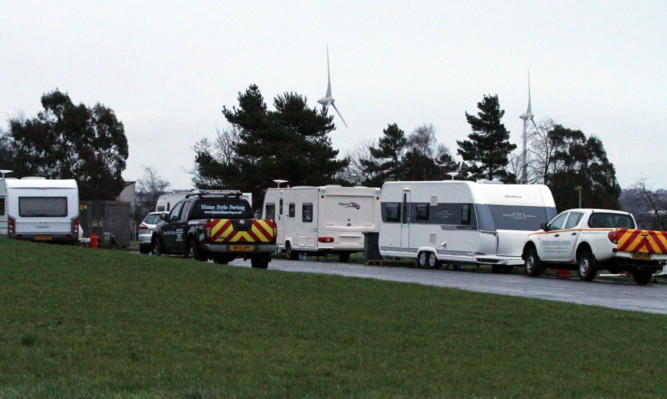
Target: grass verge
(78,322)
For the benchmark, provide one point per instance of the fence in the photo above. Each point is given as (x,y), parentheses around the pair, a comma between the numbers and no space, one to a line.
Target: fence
(110,220)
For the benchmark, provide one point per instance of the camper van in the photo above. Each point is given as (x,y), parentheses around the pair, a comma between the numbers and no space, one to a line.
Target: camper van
(326,219)
(38,209)
(461,222)
(167,200)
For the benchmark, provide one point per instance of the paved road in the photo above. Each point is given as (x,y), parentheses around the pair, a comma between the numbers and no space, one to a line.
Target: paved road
(611,294)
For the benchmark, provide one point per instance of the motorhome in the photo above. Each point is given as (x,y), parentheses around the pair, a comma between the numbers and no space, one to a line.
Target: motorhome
(38,209)
(325,219)
(461,222)
(167,201)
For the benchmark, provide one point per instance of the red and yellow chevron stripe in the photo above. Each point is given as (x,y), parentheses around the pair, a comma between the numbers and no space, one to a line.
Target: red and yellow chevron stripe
(262,231)
(646,241)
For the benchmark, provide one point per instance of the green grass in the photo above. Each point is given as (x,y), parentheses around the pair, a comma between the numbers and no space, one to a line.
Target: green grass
(77,322)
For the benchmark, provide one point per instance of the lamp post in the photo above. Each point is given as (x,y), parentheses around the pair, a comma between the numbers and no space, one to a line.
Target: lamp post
(578,188)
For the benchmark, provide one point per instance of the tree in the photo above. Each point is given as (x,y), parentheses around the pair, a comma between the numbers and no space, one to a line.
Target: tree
(290,143)
(485,154)
(385,164)
(580,161)
(424,159)
(648,206)
(149,188)
(356,172)
(68,141)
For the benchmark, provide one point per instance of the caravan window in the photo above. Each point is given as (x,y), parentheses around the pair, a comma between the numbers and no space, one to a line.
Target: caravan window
(292,209)
(270,211)
(465,214)
(43,206)
(522,218)
(2,206)
(280,209)
(391,212)
(421,211)
(307,212)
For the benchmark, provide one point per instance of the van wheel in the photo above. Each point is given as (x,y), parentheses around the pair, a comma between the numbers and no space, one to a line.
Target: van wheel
(587,267)
(344,257)
(642,277)
(156,247)
(291,254)
(532,263)
(260,261)
(194,252)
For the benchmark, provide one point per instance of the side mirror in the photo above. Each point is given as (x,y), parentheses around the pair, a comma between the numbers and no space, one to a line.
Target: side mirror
(164,216)
(544,227)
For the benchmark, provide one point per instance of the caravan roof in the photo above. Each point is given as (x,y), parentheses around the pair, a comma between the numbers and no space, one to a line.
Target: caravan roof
(40,184)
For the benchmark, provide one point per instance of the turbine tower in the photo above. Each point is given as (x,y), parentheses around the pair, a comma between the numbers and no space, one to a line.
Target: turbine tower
(528,115)
(328,99)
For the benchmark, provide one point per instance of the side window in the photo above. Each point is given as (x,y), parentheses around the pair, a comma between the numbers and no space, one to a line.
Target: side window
(307,212)
(291,209)
(160,208)
(185,210)
(270,211)
(557,224)
(280,208)
(421,212)
(573,220)
(392,212)
(465,214)
(175,213)
(2,206)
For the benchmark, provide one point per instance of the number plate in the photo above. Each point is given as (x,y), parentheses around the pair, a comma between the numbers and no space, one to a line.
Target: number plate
(43,238)
(641,256)
(241,248)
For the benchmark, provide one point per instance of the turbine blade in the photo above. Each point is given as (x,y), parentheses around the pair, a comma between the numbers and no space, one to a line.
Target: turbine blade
(534,124)
(338,112)
(328,76)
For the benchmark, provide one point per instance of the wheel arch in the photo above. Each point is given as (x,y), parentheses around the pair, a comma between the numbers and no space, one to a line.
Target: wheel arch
(581,248)
(527,247)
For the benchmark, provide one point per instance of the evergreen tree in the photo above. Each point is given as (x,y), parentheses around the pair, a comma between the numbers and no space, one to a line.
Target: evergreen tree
(486,153)
(386,165)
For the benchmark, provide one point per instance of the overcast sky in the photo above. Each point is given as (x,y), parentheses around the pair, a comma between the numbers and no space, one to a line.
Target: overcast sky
(168,67)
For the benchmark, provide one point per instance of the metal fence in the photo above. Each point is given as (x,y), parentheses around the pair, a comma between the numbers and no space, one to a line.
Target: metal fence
(110,220)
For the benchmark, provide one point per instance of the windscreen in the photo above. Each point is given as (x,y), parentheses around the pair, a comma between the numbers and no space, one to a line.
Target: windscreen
(42,206)
(217,208)
(528,218)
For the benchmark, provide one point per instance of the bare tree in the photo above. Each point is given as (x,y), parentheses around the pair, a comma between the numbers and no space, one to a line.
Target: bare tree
(149,189)
(541,152)
(356,173)
(650,203)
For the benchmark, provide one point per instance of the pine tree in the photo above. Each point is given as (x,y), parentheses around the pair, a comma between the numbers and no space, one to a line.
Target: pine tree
(486,153)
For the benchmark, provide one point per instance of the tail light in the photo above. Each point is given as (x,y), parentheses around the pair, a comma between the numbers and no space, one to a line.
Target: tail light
(11,225)
(143,227)
(75,226)
(613,237)
(326,239)
(207,230)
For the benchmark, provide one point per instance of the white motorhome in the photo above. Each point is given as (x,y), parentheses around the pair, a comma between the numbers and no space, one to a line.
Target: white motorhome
(326,219)
(461,222)
(39,209)
(167,200)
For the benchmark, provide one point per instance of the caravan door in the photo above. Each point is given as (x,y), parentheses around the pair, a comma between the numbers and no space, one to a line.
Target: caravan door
(405,220)
(3,215)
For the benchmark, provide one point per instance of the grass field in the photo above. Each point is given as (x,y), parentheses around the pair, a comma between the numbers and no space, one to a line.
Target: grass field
(76,322)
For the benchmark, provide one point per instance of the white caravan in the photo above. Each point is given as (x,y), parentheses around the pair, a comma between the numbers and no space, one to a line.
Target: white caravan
(461,222)
(167,200)
(39,209)
(326,219)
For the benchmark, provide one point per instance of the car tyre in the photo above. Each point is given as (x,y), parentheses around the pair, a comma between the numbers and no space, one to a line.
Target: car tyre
(260,261)
(587,266)
(642,277)
(532,263)
(156,246)
(194,252)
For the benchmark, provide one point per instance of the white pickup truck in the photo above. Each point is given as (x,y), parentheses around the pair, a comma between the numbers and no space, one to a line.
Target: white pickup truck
(589,240)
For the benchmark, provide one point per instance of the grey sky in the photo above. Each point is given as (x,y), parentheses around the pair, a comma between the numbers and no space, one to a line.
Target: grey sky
(167,67)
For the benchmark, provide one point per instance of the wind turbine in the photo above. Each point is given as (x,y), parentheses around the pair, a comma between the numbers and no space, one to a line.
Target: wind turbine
(327,99)
(528,115)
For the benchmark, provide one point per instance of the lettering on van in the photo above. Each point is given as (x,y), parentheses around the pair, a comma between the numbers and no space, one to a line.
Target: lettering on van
(350,205)
(518,216)
(226,209)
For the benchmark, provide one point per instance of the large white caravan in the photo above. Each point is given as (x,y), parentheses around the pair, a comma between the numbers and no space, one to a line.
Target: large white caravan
(39,209)
(326,219)
(461,222)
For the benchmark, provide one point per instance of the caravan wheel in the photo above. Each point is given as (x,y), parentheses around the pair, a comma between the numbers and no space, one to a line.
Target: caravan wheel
(423,259)
(433,261)
(291,254)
